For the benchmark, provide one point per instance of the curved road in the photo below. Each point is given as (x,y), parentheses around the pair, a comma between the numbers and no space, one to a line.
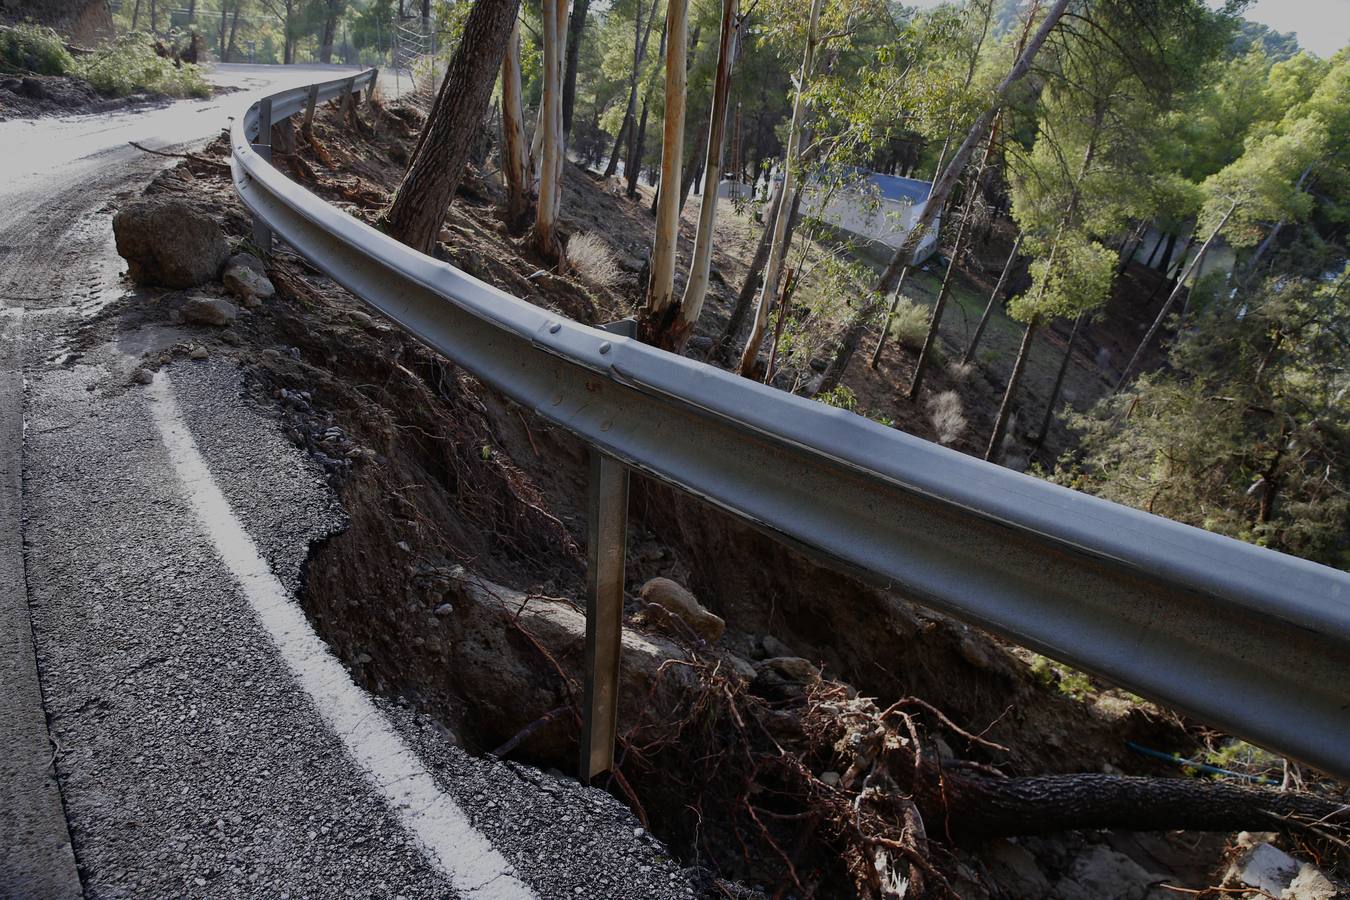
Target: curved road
(170,725)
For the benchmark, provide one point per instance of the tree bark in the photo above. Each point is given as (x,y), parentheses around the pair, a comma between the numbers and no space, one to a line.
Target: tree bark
(778,247)
(993,299)
(224,57)
(333,8)
(417,211)
(937,197)
(234,29)
(673,331)
(661,286)
(973,808)
(576,26)
(545,236)
(641,33)
(637,141)
(515,152)
(962,233)
(1171,298)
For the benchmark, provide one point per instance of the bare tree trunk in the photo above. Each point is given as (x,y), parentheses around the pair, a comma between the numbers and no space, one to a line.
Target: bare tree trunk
(750,286)
(546,239)
(1039,440)
(154,17)
(1167,254)
(1131,246)
(962,233)
(674,330)
(1171,298)
(973,808)
(641,32)
(576,26)
(661,286)
(778,248)
(515,153)
(937,197)
(1005,407)
(417,211)
(192,11)
(993,299)
(890,315)
(333,8)
(224,55)
(637,141)
(136,16)
(234,29)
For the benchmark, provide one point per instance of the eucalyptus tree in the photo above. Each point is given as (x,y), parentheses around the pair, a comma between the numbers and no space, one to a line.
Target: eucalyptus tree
(661,285)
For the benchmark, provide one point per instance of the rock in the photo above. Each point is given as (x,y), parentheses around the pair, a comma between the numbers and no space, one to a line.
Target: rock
(360,318)
(1013,868)
(830,778)
(701,343)
(142,375)
(1263,867)
(1103,874)
(666,603)
(170,243)
(209,311)
(246,279)
(784,677)
(198,352)
(774,647)
(1312,884)
(444,610)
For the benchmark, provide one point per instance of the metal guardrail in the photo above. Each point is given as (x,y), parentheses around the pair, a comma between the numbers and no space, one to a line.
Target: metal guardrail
(1244,638)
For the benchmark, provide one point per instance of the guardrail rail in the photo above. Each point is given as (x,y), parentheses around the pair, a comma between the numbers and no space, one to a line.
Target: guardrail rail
(1244,638)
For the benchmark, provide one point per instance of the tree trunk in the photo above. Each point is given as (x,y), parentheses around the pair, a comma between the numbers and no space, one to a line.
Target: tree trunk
(972,808)
(674,329)
(136,17)
(234,29)
(993,299)
(778,247)
(641,33)
(693,167)
(1171,298)
(637,141)
(417,211)
(515,152)
(332,10)
(750,286)
(154,17)
(1059,382)
(852,338)
(890,315)
(661,286)
(1130,247)
(1005,407)
(937,197)
(962,233)
(192,11)
(576,25)
(546,239)
(224,54)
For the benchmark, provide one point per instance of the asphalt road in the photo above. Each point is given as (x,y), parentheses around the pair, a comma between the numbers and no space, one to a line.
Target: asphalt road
(170,725)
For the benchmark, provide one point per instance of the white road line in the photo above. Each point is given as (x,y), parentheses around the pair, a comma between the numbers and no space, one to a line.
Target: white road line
(433,819)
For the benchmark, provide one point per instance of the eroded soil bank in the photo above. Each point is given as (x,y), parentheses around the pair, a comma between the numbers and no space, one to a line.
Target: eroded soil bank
(807,750)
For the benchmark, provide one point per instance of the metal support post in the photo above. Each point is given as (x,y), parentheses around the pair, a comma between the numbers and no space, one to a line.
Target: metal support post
(262,234)
(307,124)
(370,92)
(607,524)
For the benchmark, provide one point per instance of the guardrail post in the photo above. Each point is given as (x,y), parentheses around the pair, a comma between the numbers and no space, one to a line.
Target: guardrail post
(607,523)
(348,104)
(370,92)
(262,234)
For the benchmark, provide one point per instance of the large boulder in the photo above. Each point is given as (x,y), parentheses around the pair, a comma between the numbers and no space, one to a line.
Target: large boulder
(170,243)
(246,278)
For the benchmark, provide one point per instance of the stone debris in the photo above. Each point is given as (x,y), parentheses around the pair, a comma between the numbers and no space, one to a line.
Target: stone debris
(669,607)
(246,278)
(1272,872)
(213,311)
(170,243)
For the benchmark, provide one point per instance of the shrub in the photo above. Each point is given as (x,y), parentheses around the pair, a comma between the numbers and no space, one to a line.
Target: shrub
(593,260)
(947,416)
(841,397)
(130,65)
(34,49)
(909,324)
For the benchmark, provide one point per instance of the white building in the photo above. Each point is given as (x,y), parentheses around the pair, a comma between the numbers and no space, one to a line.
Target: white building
(880,209)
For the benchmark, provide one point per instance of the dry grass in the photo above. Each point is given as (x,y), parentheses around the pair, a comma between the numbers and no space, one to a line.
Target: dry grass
(593,260)
(947,416)
(909,324)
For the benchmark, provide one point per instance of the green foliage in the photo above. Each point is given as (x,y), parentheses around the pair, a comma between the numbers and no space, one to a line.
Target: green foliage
(840,397)
(130,65)
(33,49)
(1249,435)
(1075,278)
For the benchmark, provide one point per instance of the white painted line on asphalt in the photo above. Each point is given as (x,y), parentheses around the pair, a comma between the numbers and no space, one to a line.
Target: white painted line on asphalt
(434,820)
